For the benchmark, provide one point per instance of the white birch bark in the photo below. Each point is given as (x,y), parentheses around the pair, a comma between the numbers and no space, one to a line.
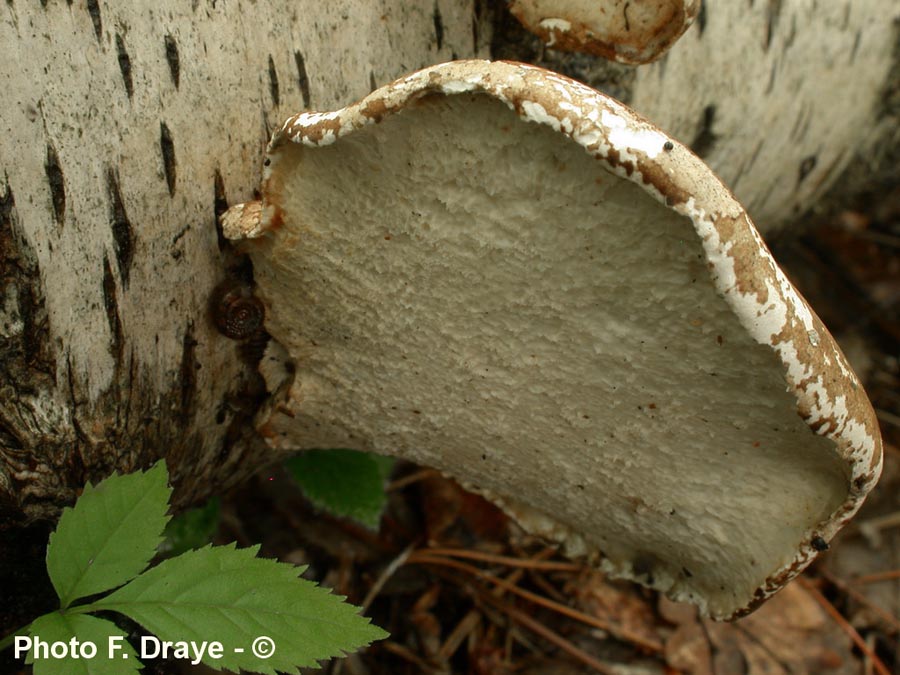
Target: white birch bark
(125,129)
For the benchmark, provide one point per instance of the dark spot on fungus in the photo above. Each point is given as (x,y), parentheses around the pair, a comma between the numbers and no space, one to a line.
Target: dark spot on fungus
(122,231)
(57,185)
(167,147)
(273,81)
(819,544)
(302,79)
(173,60)
(668,146)
(124,65)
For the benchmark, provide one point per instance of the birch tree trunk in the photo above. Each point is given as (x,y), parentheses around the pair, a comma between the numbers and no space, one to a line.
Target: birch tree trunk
(126,129)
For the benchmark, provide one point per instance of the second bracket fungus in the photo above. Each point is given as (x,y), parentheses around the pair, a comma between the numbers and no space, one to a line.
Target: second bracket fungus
(494,270)
(620,30)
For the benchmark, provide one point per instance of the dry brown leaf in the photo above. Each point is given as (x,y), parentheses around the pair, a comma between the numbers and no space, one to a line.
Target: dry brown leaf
(789,634)
(622,604)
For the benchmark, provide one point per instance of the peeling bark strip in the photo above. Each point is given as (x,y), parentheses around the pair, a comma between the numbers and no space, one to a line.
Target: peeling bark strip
(167,147)
(124,65)
(57,185)
(173,60)
(122,231)
(273,81)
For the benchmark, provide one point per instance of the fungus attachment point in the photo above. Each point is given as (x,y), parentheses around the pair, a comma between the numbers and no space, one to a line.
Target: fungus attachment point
(491,260)
(620,30)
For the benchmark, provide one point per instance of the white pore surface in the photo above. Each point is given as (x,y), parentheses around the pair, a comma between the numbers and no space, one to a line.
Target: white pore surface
(477,293)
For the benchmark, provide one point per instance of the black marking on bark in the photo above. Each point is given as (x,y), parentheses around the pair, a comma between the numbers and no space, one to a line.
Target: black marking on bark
(188,374)
(706,139)
(773,12)
(7,204)
(167,147)
(746,166)
(789,40)
(111,303)
(124,65)
(625,14)
(220,205)
(771,86)
(855,49)
(302,79)
(173,60)
(57,185)
(273,81)
(438,27)
(701,17)
(806,166)
(474,33)
(372,84)
(26,355)
(801,126)
(93,8)
(122,231)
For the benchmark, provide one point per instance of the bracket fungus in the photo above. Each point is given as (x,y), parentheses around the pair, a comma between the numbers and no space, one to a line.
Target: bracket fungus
(620,30)
(497,271)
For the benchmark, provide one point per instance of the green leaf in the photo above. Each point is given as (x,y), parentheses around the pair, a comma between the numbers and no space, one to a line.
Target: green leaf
(110,534)
(59,627)
(345,482)
(191,529)
(229,595)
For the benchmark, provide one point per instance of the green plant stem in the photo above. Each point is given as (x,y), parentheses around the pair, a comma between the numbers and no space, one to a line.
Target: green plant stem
(8,641)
